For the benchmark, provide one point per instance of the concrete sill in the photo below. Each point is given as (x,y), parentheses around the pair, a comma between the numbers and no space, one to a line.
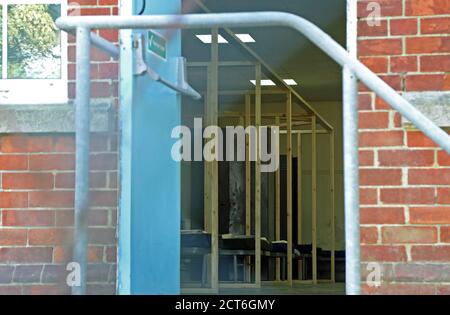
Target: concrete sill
(55,118)
(434,105)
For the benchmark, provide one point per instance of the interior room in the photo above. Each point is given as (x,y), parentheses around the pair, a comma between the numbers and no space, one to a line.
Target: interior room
(247,228)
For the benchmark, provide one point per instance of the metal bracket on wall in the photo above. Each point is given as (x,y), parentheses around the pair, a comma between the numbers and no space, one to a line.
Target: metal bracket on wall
(141,67)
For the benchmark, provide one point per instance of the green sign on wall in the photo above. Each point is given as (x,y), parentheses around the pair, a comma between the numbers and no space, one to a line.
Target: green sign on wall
(157,44)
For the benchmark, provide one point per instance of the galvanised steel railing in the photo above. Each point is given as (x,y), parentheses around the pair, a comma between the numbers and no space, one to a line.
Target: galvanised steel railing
(84,24)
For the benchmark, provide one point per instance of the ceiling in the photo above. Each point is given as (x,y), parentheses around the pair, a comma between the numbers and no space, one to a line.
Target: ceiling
(286,51)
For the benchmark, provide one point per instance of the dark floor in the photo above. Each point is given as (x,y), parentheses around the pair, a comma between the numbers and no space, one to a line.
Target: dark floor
(300,289)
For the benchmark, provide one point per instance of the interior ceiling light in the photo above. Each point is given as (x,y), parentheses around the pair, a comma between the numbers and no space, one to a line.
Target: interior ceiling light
(245,38)
(266,82)
(290,81)
(207,39)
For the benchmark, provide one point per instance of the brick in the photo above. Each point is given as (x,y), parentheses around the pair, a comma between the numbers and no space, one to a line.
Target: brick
(67,180)
(439,63)
(25,144)
(27,273)
(367,196)
(403,26)
(379,176)
(429,215)
(380,138)
(408,234)
(424,272)
(27,181)
(28,218)
(380,104)
(98,272)
(13,162)
(96,217)
(427,45)
(399,289)
(364,101)
(404,64)
(418,139)
(443,195)
(52,162)
(443,158)
(59,199)
(50,236)
(445,234)
(393,80)
(101,90)
(436,176)
(43,289)
(108,2)
(111,254)
(383,253)
(10,237)
(443,289)
(369,235)
(95,11)
(388,8)
(110,34)
(407,195)
(6,274)
(439,25)
(430,253)
(366,158)
(63,254)
(426,7)
(13,199)
(373,120)
(104,161)
(25,254)
(103,236)
(406,157)
(427,82)
(10,290)
(366,30)
(108,71)
(101,198)
(376,64)
(380,47)
(387,215)
(101,289)
(54,273)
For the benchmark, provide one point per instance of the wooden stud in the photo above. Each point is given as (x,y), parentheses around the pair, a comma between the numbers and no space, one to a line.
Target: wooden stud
(248,177)
(289,186)
(314,199)
(248,185)
(332,209)
(299,197)
(214,105)
(258,177)
(277,210)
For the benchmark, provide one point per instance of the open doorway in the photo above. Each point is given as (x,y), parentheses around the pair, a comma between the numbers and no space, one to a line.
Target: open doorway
(245,230)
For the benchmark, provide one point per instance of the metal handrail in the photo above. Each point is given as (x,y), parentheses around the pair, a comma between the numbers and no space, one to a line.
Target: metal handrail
(83,25)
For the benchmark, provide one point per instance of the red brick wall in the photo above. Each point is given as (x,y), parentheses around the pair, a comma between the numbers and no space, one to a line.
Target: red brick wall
(37,192)
(405,178)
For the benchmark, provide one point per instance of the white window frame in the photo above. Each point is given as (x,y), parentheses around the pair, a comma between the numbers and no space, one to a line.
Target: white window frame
(34,91)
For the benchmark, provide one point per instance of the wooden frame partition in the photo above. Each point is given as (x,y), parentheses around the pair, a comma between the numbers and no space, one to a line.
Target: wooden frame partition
(293,126)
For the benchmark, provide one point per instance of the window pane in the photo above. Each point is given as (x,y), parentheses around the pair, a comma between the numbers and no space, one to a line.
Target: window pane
(34,44)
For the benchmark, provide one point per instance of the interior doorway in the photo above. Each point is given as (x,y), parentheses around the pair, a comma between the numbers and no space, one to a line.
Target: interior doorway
(244,230)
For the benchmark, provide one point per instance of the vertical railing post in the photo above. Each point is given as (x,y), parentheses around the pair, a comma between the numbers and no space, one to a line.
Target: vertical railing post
(351,184)
(82,140)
